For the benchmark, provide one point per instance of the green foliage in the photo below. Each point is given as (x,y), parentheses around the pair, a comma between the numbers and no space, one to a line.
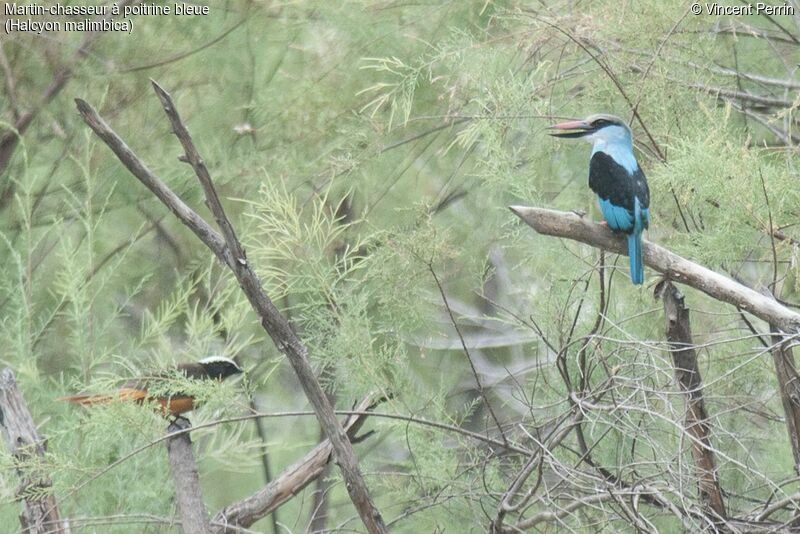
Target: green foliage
(367,153)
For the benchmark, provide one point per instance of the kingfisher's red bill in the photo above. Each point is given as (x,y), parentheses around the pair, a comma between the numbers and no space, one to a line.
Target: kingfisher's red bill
(577,127)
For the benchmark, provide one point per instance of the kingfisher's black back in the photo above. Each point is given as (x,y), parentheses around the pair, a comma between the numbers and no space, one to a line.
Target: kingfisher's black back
(617,190)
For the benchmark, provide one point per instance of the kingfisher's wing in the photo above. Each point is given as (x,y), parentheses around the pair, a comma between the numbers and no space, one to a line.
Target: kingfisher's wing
(617,190)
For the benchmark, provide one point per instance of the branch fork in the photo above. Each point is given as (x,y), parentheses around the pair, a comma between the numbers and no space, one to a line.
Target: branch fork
(229,250)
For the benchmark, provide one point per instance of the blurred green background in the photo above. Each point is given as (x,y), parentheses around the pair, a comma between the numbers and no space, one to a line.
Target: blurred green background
(365,150)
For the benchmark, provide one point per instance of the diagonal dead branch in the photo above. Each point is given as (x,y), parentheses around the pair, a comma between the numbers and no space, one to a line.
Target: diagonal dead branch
(278,327)
(230,251)
(289,483)
(743,96)
(178,207)
(572,226)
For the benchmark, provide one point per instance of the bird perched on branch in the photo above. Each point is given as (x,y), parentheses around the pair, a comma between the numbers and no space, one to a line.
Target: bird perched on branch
(138,390)
(616,178)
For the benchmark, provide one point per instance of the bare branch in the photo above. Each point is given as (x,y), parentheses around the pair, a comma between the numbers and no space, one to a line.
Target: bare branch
(40,512)
(765,80)
(475,374)
(183,55)
(687,373)
(265,463)
(572,226)
(184,213)
(278,328)
(789,390)
(189,496)
(512,501)
(232,254)
(320,498)
(575,504)
(787,138)
(743,96)
(289,483)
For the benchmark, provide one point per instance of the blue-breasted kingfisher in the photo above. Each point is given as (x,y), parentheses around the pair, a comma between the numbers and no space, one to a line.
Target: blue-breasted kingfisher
(616,178)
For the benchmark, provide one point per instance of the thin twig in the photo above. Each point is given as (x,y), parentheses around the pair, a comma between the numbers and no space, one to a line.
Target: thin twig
(291,481)
(771,233)
(469,357)
(262,437)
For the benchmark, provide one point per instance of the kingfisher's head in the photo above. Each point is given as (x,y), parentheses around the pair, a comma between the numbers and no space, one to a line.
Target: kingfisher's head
(600,127)
(220,367)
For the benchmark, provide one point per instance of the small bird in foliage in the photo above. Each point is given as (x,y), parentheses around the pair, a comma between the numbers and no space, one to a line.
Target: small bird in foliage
(616,178)
(138,389)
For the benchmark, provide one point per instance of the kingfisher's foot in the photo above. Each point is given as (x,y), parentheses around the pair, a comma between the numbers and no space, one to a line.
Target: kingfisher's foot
(604,223)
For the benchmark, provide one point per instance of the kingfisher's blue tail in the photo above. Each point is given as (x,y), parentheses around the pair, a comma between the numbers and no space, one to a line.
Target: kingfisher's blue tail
(635,253)
(640,219)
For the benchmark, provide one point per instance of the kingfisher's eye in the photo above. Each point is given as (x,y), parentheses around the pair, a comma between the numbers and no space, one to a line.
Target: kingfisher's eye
(599,123)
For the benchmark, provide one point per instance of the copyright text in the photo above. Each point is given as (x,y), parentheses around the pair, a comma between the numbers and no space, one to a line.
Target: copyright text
(757,8)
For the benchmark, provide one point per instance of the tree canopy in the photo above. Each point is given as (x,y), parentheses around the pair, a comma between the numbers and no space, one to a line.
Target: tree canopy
(366,154)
